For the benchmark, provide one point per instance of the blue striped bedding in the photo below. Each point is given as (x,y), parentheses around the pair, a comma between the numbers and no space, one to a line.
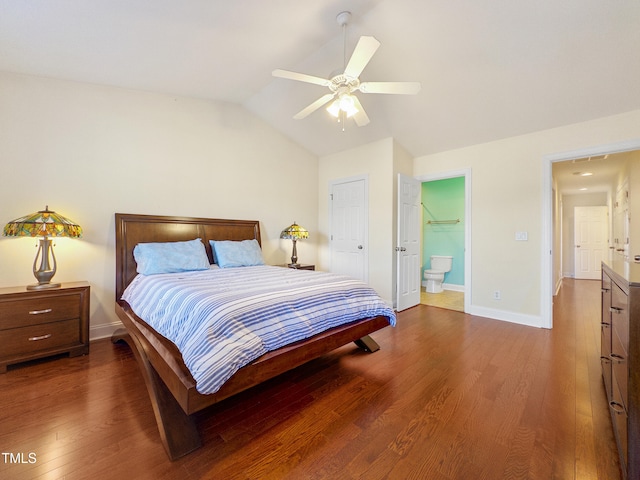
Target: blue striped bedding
(222,319)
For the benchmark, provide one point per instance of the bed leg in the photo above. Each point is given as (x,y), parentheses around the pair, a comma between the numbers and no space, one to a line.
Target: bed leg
(368,344)
(178,430)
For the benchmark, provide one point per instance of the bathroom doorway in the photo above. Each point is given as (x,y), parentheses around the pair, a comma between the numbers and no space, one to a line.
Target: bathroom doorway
(445,227)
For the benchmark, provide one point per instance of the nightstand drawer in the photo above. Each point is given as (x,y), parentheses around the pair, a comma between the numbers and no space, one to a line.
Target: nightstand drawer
(38,310)
(48,336)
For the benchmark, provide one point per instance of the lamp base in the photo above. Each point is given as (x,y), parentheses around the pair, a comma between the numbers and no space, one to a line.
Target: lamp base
(293,265)
(43,286)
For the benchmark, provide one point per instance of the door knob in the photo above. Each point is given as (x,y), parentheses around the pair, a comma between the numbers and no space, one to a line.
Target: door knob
(360,247)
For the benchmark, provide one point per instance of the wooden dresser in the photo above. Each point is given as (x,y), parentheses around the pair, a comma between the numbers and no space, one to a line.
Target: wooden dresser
(620,357)
(40,323)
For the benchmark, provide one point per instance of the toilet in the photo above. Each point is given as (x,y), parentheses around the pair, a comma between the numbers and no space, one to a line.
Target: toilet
(435,275)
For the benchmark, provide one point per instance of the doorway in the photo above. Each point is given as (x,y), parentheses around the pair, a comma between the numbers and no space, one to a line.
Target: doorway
(552,231)
(590,240)
(349,226)
(443,220)
(456,295)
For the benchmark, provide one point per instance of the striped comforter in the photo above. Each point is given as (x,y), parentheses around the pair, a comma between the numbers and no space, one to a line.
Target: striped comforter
(222,319)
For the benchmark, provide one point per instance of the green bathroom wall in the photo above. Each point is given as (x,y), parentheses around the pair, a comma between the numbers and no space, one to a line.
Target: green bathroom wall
(444,200)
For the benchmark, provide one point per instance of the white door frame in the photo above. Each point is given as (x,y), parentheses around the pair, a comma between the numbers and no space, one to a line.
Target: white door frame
(546,278)
(339,181)
(466,173)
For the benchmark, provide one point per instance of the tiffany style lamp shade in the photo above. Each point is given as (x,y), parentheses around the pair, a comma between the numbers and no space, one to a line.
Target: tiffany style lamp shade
(294,232)
(43,224)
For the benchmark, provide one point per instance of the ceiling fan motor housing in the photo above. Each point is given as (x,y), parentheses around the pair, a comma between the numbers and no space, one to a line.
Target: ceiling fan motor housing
(341,82)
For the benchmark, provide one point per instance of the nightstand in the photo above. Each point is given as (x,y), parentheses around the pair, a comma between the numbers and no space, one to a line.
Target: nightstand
(40,323)
(301,266)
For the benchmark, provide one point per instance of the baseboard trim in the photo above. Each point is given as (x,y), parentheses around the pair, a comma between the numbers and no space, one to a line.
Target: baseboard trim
(97,332)
(506,316)
(447,286)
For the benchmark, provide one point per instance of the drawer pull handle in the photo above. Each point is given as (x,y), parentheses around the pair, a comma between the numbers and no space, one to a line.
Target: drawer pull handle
(616,310)
(605,324)
(616,358)
(40,312)
(616,408)
(41,337)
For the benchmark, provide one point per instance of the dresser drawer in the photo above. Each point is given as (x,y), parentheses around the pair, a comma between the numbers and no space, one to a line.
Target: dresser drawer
(38,309)
(619,416)
(48,336)
(620,372)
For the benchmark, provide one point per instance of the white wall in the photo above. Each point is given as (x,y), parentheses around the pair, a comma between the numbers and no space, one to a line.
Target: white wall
(89,151)
(507,197)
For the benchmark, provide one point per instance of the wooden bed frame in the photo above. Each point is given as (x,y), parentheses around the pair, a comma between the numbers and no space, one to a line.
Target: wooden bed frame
(170,385)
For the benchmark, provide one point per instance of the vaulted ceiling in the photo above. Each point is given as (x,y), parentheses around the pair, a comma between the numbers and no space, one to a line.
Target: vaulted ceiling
(488,70)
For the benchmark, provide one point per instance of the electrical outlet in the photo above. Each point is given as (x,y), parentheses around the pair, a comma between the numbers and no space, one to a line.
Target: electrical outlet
(496,295)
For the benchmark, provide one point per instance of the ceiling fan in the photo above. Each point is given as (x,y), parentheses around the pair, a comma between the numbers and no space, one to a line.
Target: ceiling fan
(343,85)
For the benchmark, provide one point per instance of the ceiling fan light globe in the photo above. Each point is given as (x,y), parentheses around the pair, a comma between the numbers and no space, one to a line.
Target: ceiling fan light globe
(348,105)
(346,102)
(350,111)
(334,108)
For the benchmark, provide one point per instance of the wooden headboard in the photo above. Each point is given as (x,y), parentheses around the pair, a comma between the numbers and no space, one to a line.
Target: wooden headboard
(132,229)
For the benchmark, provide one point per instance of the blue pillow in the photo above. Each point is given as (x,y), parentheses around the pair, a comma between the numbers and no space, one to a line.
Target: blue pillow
(229,253)
(170,257)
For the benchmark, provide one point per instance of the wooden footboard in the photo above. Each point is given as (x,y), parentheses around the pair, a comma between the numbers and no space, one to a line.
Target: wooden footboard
(172,389)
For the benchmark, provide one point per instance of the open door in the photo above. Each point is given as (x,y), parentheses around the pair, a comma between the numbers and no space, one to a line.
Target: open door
(408,242)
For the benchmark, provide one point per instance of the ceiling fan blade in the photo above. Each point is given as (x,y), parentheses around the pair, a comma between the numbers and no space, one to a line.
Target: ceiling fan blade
(402,88)
(301,77)
(363,52)
(314,106)
(360,116)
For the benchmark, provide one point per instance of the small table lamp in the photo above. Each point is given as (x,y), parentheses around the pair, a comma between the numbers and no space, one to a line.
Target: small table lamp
(44,223)
(294,232)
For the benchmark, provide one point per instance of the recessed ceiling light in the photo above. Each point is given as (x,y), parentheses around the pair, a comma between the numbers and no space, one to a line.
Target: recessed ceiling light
(583,188)
(586,174)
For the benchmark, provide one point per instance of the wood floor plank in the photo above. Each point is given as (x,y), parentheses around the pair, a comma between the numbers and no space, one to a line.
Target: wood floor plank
(448,396)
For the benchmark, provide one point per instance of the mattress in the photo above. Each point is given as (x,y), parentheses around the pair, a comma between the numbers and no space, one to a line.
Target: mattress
(223,318)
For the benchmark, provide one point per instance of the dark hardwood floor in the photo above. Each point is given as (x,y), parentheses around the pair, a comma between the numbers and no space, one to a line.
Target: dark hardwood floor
(448,396)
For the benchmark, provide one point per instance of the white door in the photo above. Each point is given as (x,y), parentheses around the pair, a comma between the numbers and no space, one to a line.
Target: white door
(408,242)
(590,240)
(349,217)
